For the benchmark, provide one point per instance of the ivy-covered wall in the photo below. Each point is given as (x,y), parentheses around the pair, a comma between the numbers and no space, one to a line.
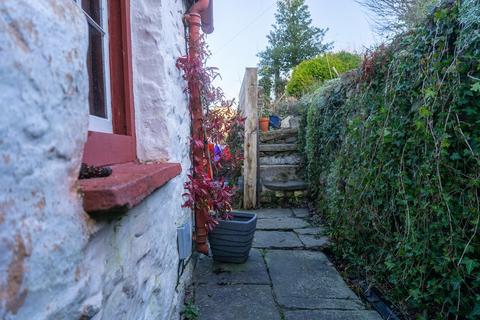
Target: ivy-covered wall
(393,156)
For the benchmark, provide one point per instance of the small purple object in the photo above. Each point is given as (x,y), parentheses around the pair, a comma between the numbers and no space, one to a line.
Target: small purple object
(217,151)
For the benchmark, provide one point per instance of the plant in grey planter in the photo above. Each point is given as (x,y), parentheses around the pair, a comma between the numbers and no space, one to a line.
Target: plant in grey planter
(231,240)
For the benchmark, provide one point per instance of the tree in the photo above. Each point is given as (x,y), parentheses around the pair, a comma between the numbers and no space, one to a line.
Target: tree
(292,40)
(391,16)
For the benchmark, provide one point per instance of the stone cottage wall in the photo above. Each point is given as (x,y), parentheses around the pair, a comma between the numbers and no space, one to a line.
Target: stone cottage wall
(55,261)
(162,120)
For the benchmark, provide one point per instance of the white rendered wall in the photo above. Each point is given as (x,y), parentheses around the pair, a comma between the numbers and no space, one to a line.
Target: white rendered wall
(162,118)
(43,94)
(55,261)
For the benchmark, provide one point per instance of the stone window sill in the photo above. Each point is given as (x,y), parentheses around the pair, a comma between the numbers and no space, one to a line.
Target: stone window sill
(126,187)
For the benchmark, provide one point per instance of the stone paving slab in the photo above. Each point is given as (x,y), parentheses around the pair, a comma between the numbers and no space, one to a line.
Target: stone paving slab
(314,242)
(272,213)
(301,213)
(253,271)
(281,224)
(314,279)
(332,315)
(304,283)
(245,302)
(276,240)
(311,231)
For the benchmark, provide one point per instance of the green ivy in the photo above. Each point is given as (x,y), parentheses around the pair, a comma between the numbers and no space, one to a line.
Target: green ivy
(393,163)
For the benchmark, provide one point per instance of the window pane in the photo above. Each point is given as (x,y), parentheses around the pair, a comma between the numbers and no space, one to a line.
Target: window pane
(96,74)
(92,8)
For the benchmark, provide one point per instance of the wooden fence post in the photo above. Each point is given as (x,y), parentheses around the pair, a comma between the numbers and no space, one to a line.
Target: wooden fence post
(248,106)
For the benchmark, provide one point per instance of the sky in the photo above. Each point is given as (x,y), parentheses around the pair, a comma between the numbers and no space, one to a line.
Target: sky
(241,29)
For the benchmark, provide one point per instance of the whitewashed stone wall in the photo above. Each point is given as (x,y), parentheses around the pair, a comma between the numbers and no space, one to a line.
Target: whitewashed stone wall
(43,93)
(162,121)
(55,261)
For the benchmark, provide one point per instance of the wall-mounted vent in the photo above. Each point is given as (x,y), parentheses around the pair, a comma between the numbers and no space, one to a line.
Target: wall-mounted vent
(184,240)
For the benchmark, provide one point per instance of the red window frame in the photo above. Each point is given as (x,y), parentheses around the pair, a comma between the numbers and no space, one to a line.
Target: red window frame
(120,147)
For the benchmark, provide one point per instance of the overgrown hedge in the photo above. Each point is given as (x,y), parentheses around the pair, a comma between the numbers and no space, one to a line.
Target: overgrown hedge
(393,157)
(317,70)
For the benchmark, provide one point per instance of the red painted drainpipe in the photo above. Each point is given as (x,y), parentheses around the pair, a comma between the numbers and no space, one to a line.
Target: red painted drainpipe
(205,9)
(199,16)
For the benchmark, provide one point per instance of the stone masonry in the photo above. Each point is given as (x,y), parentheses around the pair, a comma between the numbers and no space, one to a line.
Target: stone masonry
(281,171)
(56,262)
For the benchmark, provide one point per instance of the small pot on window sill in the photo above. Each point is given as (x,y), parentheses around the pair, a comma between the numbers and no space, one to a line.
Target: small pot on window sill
(231,240)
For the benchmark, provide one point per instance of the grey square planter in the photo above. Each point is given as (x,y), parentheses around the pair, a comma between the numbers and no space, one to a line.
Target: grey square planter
(231,240)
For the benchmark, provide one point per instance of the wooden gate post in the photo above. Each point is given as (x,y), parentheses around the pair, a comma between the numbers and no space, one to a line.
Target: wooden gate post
(248,105)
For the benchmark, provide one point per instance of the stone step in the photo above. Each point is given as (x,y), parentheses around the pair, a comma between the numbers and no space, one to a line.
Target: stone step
(286,159)
(269,173)
(293,185)
(279,136)
(284,199)
(281,147)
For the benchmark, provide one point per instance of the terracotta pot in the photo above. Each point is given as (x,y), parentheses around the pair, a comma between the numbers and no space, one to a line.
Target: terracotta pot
(264,124)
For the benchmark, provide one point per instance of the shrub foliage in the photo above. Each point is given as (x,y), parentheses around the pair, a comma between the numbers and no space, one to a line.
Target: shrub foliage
(314,71)
(292,40)
(393,156)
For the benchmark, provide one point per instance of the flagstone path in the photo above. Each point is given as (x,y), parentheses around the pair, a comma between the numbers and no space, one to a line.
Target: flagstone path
(287,277)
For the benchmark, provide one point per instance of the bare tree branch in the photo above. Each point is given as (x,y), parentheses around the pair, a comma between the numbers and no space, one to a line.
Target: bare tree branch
(392,16)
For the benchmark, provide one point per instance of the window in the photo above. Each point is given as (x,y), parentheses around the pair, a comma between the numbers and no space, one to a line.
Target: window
(111,137)
(96,12)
